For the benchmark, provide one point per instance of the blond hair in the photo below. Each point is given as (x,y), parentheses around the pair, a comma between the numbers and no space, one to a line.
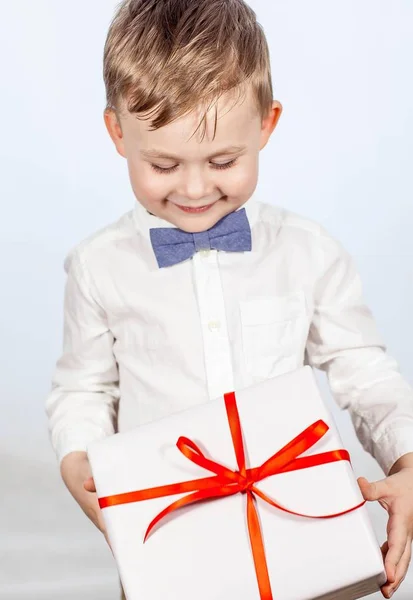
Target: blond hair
(164,58)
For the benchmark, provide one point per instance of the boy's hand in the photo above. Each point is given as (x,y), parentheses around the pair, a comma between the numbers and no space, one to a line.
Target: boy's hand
(77,475)
(395,494)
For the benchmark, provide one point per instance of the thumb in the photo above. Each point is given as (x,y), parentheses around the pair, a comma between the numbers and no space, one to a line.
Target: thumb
(372,491)
(89,485)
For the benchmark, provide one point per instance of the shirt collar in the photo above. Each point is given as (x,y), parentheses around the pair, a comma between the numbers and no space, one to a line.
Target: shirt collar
(144,221)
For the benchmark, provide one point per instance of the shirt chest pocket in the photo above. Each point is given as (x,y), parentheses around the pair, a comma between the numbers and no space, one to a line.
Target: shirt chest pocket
(274,334)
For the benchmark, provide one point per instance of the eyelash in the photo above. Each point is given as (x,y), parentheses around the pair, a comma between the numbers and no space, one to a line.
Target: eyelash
(162,170)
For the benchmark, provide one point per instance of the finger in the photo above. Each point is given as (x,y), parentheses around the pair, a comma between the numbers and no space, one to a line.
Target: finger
(374,490)
(397,540)
(107,540)
(89,485)
(101,522)
(102,528)
(402,567)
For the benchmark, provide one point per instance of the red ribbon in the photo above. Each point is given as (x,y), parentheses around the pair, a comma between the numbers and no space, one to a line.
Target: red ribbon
(227,483)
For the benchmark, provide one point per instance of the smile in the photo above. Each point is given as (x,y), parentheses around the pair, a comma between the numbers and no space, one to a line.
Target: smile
(198,209)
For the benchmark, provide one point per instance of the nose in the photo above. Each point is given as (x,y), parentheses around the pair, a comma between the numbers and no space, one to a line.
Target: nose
(196,186)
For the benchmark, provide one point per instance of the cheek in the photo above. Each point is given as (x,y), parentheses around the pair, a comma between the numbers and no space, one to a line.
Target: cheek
(146,183)
(243,179)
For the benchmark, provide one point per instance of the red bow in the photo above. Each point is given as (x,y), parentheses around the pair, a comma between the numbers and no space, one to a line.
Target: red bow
(226,482)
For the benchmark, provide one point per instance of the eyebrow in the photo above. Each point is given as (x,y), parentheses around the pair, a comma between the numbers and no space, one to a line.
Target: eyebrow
(155,153)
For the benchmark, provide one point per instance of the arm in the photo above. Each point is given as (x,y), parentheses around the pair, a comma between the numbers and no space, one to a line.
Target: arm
(344,342)
(82,404)
(85,389)
(404,462)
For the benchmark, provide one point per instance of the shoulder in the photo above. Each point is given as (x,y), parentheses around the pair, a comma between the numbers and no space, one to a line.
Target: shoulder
(299,241)
(291,226)
(101,243)
(289,221)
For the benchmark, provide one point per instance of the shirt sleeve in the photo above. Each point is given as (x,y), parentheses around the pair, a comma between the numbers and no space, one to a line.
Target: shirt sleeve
(82,404)
(344,342)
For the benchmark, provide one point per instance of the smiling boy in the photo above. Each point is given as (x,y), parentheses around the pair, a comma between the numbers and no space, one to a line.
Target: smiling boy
(203,288)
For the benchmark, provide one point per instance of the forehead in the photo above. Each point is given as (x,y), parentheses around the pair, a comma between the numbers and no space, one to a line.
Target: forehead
(229,121)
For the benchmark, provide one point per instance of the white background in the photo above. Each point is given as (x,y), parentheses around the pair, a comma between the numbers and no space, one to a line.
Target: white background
(341,154)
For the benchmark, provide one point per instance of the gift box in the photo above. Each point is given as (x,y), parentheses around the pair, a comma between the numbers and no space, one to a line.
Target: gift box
(265,504)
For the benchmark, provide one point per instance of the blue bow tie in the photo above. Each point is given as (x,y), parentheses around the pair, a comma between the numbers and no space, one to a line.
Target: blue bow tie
(172,245)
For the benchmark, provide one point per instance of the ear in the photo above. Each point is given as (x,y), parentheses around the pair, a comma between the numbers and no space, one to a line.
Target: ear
(115,130)
(270,122)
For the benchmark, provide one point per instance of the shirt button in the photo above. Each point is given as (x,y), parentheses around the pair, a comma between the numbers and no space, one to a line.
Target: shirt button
(214,326)
(205,253)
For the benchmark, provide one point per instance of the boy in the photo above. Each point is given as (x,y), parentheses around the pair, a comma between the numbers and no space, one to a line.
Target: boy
(201,288)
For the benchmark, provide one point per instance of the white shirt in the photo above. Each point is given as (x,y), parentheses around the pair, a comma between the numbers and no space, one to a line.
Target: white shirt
(141,342)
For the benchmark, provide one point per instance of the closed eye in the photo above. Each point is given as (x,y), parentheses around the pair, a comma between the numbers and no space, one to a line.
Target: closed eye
(217,166)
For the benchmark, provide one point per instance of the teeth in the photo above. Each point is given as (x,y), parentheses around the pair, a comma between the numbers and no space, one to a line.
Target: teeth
(195,208)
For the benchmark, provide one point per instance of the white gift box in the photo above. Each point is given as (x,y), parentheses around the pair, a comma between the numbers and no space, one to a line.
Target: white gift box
(203,551)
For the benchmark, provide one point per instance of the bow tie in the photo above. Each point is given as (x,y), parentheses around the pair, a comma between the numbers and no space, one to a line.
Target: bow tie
(172,245)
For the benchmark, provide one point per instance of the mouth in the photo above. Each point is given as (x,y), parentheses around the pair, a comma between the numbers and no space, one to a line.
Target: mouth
(197,209)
